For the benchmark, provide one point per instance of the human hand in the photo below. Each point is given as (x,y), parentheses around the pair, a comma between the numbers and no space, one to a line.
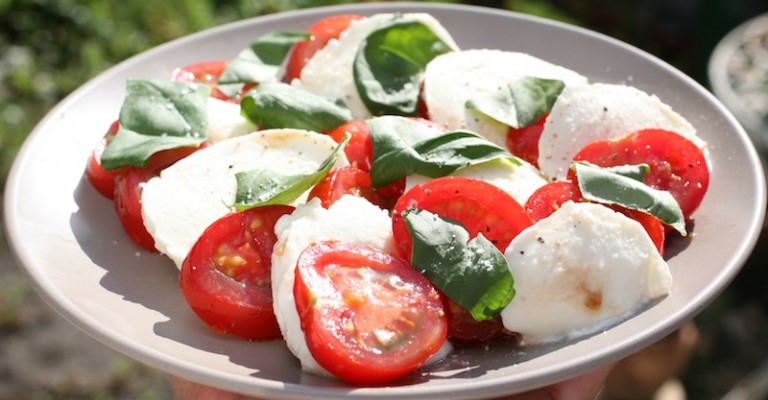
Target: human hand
(583,387)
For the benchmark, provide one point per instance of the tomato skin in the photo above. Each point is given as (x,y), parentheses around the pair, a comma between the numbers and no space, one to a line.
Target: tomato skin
(479,207)
(677,164)
(524,142)
(226,277)
(322,32)
(345,298)
(548,198)
(359,150)
(128,188)
(347,180)
(101,179)
(207,73)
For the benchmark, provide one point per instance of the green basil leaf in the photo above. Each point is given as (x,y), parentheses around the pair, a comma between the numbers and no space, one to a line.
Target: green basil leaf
(259,62)
(605,185)
(389,64)
(280,105)
(265,186)
(473,273)
(157,115)
(519,103)
(402,147)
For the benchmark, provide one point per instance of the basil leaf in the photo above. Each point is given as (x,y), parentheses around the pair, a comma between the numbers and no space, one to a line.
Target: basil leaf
(402,147)
(604,185)
(473,273)
(389,64)
(157,115)
(519,103)
(265,186)
(279,105)
(259,62)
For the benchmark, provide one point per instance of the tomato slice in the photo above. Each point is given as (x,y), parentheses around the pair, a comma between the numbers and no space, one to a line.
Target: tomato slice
(348,180)
(206,73)
(226,277)
(548,198)
(367,316)
(128,188)
(524,142)
(479,207)
(359,150)
(101,179)
(322,32)
(676,163)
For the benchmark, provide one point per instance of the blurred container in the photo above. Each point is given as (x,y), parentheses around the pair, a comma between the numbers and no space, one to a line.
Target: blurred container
(738,75)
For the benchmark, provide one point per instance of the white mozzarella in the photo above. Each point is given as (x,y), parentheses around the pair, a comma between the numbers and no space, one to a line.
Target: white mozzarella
(329,71)
(226,121)
(453,78)
(350,219)
(519,181)
(190,195)
(579,270)
(585,113)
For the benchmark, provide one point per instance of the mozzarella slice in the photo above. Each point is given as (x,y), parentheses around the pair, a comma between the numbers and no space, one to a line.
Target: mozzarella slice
(226,121)
(329,71)
(519,181)
(579,270)
(453,78)
(350,219)
(586,113)
(190,195)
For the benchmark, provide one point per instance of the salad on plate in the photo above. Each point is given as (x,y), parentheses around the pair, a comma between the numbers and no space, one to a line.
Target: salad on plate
(374,195)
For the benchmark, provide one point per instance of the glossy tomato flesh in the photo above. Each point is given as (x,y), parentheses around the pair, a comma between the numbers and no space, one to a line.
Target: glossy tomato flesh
(367,316)
(206,73)
(347,180)
(101,179)
(676,164)
(524,142)
(226,277)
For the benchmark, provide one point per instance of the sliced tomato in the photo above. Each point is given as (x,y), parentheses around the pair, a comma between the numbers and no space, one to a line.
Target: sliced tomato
(548,198)
(101,179)
(348,180)
(226,277)
(358,149)
(206,73)
(322,32)
(481,208)
(477,205)
(676,164)
(367,316)
(128,188)
(524,142)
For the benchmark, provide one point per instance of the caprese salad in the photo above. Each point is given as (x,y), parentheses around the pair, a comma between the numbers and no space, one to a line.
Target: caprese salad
(371,193)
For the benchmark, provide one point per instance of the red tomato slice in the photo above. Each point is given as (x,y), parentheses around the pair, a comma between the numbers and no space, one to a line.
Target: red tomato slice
(359,150)
(367,316)
(101,179)
(226,278)
(348,180)
(128,188)
(479,207)
(206,73)
(524,142)
(677,164)
(548,198)
(322,32)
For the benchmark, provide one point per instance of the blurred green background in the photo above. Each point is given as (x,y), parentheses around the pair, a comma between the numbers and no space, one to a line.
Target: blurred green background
(50,47)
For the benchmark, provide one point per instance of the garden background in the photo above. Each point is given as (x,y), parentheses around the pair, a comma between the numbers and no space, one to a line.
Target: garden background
(50,47)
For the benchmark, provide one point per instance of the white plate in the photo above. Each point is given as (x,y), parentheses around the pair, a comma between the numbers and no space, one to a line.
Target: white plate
(70,242)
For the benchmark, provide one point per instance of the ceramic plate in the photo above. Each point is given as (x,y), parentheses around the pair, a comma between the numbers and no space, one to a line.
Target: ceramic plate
(70,242)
